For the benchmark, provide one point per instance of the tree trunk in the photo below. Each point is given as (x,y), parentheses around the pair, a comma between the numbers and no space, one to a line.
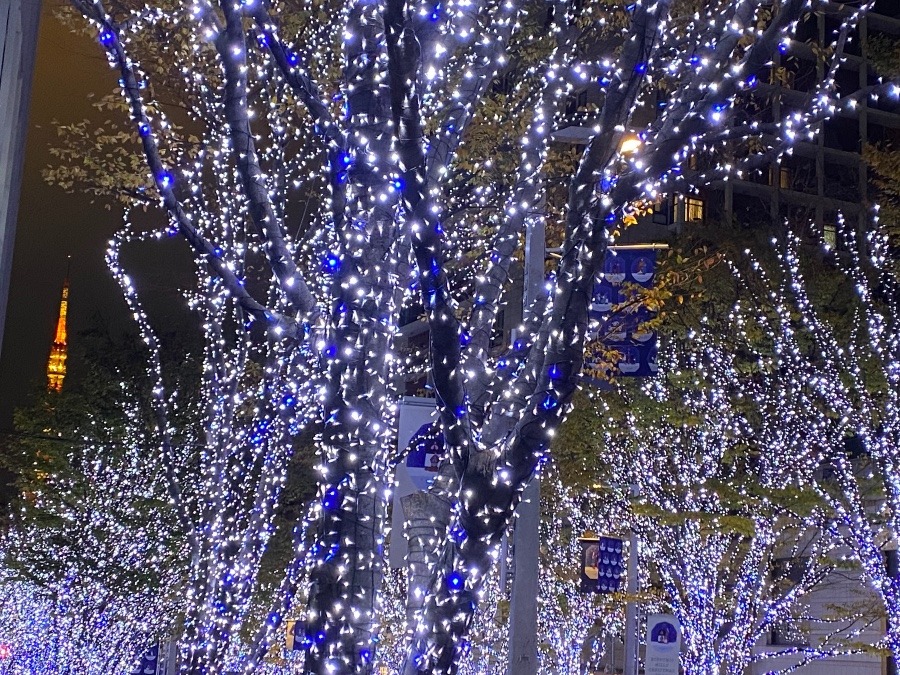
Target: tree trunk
(428,516)
(340,626)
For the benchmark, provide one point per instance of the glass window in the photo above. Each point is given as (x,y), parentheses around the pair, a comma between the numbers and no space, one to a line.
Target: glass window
(693,209)
(829,232)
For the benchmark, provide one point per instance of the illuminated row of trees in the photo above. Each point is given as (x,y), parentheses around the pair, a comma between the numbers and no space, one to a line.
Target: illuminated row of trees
(378,134)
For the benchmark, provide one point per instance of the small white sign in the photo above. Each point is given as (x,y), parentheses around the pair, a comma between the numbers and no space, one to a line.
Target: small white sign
(415,472)
(663,645)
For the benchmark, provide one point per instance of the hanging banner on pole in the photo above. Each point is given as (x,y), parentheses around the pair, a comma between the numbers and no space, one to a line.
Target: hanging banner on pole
(416,430)
(619,317)
(663,645)
(602,565)
(148,663)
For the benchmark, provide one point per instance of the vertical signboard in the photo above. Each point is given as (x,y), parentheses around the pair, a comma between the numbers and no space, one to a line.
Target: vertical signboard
(148,663)
(663,645)
(602,565)
(618,316)
(417,431)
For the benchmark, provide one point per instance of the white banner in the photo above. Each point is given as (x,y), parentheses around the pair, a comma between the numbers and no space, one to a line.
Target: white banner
(663,645)
(415,471)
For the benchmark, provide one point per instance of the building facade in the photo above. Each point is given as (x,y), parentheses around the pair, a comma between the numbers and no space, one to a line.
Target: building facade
(18,40)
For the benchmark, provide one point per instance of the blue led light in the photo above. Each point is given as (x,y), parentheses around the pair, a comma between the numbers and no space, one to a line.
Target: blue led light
(165,180)
(331,499)
(331,263)
(455,581)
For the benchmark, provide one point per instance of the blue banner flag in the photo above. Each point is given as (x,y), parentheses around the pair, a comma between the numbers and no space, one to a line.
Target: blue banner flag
(426,448)
(602,565)
(619,318)
(148,663)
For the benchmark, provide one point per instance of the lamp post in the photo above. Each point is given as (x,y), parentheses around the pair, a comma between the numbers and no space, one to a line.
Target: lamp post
(523,655)
(632,641)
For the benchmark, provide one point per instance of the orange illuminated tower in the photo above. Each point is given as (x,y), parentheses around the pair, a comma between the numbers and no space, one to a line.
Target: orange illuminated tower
(56,364)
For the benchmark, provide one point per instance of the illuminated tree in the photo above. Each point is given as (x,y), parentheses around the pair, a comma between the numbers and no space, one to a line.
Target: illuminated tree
(391,92)
(730,526)
(73,626)
(851,375)
(93,558)
(884,158)
(574,626)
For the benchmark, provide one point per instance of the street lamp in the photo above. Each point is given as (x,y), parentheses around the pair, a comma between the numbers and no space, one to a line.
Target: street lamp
(630,144)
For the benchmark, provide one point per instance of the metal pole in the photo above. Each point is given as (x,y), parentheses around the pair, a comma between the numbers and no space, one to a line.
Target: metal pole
(504,555)
(523,656)
(632,641)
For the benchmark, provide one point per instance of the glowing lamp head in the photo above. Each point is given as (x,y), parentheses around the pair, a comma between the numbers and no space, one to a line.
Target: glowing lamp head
(631,143)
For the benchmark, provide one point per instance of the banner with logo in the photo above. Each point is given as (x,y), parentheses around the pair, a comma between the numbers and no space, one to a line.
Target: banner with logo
(417,430)
(602,565)
(148,663)
(663,645)
(618,317)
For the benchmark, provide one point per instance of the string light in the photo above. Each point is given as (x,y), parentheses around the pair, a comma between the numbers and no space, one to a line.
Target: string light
(402,204)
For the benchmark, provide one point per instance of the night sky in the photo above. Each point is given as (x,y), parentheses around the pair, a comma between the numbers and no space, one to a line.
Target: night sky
(53,224)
